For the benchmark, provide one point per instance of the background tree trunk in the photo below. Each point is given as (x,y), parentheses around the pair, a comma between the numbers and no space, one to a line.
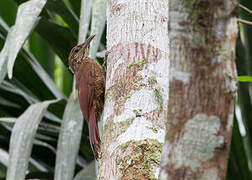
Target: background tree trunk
(136,89)
(202,86)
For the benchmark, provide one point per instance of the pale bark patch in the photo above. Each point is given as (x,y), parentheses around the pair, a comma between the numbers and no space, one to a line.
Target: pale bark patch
(142,101)
(141,129)
(141,21)
(198,142)
(210,174)
(163,175)
(230,120)
(165,152)
(126,114)
(156,77)
(108,108)
(180,75)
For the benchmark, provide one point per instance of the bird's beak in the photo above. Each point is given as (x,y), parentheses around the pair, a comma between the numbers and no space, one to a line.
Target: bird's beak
(86,43)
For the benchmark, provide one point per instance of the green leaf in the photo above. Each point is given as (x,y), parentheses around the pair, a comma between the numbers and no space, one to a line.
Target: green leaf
(44,144)
(45,137)
(28,96)
(6,102)
(76,5)
(59,38)
(88,173)
(86,6)
(67,81)
(42,74)
(8,120)
(69,140)
(32,61)
(27,17)
(244,78)
(42,52)
(22,138)
(30,58)
(8,11)
(37,165)
(98,24)
(5,28)
(24,73)
(59,7)
(239,161)
(4,157)
(3,58)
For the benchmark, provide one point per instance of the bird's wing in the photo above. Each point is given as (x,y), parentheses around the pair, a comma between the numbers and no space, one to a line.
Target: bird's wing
(86,96)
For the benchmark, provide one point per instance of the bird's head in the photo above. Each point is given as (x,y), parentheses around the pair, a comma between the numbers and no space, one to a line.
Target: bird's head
(78,53)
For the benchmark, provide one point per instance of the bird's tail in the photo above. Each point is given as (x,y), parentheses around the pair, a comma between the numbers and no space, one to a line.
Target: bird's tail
(94,137)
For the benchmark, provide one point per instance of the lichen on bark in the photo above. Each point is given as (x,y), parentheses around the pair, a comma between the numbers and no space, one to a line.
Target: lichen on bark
(147,152)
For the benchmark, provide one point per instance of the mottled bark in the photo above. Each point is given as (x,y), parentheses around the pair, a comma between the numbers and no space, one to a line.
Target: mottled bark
(202,87)
(136,89)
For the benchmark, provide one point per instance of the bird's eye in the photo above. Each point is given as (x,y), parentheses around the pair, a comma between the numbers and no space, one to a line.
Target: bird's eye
(76,50)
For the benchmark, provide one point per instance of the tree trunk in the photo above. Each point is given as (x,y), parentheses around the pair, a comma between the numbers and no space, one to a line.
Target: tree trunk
(136,89)
(202,87)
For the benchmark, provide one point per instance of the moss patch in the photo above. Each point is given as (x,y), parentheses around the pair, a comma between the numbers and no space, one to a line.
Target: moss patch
(123,85)
(139,159)
(159,97)
(115,129)
(153,129)
(139,64)
(152,80)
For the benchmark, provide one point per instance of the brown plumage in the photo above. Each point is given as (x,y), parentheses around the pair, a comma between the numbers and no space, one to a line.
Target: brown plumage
(90,82)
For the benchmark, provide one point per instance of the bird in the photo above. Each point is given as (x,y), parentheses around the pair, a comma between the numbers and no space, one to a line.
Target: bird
(90,82)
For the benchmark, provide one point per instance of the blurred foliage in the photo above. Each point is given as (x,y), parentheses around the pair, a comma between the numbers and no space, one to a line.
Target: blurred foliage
(244,78)
(43,58)
(240,164)
(49,45)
